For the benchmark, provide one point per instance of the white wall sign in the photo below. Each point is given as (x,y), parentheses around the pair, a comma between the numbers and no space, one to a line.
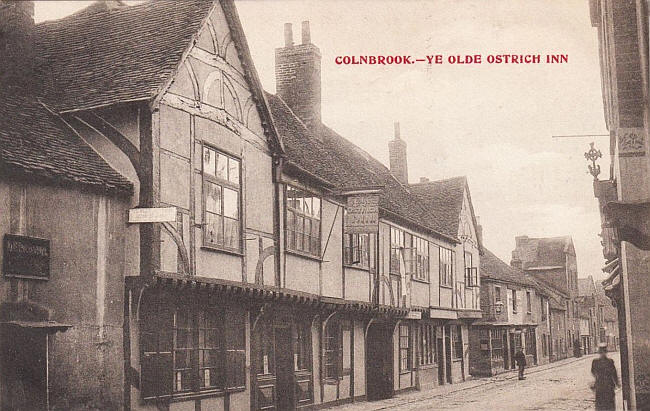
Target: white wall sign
(152,215)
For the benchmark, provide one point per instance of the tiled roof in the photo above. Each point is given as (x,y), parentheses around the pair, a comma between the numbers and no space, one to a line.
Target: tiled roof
(345,166)
(34,142)
(109,56)
(445,199)
(493,267)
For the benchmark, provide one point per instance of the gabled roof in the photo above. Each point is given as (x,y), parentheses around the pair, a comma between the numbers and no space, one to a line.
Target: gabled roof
(586,286)
(343,166)
(92,59)
(543,253)
(492,267)
(35,142)
(444,198)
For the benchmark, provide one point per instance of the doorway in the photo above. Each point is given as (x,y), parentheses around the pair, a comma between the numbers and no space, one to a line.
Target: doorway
(439,355)
(379,363)
(506,352)
(24,359)
(448,353)
(284,369)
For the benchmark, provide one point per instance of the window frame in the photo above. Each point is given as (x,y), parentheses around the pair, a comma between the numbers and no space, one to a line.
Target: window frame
(333,350)
(295,214)
(456,342)
(529,303)
(222,184)
(358,253)
(514,300)
(229,360)
(426,346)
(405,348)
(446,268)
(422,254)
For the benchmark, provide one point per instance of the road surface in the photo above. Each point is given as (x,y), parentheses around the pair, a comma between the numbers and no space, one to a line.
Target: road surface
(559,386)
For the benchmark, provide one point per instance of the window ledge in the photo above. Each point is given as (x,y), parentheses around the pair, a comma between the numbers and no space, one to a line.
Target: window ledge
(304,255)
(222,250)
(356,267)
(428,366)
(420,280)
(446,286)
(205,394)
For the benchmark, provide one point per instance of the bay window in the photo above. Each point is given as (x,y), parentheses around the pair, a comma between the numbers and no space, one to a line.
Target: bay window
(303,214)
(221,200)
(191,348)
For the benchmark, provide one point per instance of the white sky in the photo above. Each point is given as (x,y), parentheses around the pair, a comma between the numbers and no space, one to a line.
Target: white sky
(491,123)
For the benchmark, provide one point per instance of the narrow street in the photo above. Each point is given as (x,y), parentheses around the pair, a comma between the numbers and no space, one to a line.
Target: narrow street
(558,386)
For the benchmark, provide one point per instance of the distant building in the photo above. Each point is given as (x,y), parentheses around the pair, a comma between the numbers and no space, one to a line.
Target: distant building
(515,316)
(552,262)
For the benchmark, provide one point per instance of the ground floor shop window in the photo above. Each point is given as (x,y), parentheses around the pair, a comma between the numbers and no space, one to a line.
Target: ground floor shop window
(189,348)
(457,341)
(335,349)
(497,344)
(302,345)
(530,341)
(484,341)
(404,347)
(427,344)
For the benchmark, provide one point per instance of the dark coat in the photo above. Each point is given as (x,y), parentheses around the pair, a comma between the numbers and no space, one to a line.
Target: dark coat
(606,380)
(520,358)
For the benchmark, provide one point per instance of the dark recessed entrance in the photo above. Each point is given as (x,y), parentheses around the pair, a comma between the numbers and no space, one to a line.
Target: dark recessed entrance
(379,361)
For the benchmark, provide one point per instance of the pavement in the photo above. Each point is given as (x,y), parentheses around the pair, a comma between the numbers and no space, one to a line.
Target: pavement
(562,385)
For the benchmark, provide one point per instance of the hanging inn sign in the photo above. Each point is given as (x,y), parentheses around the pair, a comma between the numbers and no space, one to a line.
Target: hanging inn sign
(26,257)
(362,213)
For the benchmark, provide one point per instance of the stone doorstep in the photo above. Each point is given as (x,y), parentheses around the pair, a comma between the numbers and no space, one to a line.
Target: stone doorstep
(418,396)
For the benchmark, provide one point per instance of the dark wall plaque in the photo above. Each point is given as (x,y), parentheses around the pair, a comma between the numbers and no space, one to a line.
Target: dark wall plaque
(26,257)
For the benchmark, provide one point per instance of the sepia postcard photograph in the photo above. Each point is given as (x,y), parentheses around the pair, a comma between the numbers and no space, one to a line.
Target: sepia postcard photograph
(277,205)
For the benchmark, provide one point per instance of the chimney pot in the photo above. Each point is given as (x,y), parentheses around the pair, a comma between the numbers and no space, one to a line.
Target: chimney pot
(288,35)
(424,180)
(306,35)
(298,78)
(397,157)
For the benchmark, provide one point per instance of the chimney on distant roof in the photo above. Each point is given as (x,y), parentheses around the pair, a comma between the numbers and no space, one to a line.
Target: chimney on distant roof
(297,77)
(424,180)
(397,157)
(16,41)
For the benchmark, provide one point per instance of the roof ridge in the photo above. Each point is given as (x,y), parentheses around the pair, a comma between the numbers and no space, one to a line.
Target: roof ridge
(463,177)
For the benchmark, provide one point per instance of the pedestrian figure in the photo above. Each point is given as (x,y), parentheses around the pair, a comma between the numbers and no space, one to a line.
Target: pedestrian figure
(604,371)
(520,359)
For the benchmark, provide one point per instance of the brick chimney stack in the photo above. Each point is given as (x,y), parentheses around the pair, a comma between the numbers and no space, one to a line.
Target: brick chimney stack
(397,155)
(297,76)
(16,41)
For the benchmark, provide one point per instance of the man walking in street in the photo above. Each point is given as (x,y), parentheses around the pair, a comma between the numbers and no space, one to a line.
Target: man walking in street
(520,359)
(604,371)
